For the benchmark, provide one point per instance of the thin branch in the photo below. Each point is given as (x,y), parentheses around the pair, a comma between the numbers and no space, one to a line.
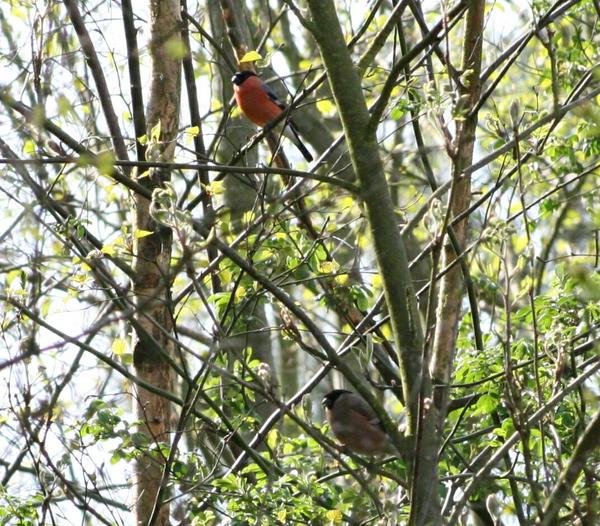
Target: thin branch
(104,93)
(222,169)
(135,80)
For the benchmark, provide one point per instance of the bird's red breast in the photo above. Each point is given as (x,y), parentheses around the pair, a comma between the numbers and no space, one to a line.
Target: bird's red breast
(255,102)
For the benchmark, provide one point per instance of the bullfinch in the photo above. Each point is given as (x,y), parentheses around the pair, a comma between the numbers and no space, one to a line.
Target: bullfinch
(355,424)
(261,105)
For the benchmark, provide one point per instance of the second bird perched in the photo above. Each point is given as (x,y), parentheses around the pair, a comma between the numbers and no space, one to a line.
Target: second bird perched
(355,424)
(261,105)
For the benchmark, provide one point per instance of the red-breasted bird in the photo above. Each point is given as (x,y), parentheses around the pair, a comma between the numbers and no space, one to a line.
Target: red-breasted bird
(261,105)
(355,424)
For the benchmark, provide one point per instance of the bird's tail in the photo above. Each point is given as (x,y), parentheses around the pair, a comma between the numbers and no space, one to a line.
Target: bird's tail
(295,138)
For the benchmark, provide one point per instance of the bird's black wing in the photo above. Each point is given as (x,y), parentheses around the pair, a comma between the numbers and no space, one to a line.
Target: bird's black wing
(273,96)
(295,137)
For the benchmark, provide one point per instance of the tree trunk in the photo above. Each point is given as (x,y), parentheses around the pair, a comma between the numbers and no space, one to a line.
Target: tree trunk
(152,255)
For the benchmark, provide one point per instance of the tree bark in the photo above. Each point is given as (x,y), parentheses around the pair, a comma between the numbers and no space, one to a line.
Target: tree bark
(451,290)
(152,256)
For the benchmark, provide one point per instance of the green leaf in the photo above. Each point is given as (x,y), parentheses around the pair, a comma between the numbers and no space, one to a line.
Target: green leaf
(487,404)
(119,346)
(105,162)
(192,130)
(251,56)
(176,47)
(155,132)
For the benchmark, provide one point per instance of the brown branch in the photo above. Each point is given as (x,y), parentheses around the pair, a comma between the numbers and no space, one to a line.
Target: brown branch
(135,80)
(96,68)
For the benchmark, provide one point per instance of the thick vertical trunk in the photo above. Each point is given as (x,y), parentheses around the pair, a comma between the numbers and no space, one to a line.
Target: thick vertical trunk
(151,265)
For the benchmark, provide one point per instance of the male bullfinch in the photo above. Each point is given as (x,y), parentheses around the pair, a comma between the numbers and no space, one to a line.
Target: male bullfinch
(355,424)
(260,104)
